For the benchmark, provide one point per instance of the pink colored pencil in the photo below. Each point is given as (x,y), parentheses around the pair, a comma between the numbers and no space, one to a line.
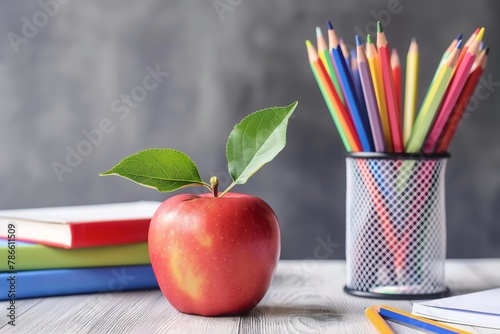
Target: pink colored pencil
(457,84)
(463,102)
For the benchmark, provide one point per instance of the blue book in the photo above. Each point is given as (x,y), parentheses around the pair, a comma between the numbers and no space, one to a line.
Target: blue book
(58,282)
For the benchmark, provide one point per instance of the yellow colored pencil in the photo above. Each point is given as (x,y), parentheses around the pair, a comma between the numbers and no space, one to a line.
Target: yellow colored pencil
(377,321)
(411,89)
(378,85)
(429,108)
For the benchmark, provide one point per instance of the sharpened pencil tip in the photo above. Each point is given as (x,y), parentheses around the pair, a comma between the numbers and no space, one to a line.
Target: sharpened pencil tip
(487,50)
(353,54)
(318,32)
(459,44)
(477,31)
(480,34)
(414,40)
(459,37)
(358,41)
(308,43)
(379,27)
(329,24)
(368,39)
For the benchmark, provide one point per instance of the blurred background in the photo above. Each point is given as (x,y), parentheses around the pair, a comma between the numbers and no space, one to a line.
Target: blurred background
(110,78)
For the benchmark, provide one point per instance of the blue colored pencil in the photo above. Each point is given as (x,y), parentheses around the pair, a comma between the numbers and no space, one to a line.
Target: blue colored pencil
(361,122)
(357,81)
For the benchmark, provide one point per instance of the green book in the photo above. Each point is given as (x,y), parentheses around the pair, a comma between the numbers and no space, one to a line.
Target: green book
(18,256)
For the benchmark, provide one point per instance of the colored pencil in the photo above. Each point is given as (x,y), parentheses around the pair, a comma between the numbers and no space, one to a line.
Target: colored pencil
(326,58)
(369,96)
(390,93)
(378,85)
(361,123)
(335,78)
(463,101)
(357,85)
(339,114)
(457,84)
(406,318)
(411,89)
(345,53)
(396,74)
(445,56)
(451,47)
(466,46)
(377,321)
(321,43)
(429,108)
(356,79)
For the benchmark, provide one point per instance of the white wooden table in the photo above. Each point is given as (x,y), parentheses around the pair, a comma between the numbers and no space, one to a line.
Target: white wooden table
(305,297)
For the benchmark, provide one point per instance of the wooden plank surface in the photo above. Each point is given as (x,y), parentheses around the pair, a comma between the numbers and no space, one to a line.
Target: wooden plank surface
(305,297)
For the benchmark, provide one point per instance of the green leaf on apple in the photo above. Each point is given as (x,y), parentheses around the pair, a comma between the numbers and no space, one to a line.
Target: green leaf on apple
(162,168)
(255,141)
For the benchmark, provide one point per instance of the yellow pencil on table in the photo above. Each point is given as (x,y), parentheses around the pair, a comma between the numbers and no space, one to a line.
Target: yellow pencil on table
(377,321)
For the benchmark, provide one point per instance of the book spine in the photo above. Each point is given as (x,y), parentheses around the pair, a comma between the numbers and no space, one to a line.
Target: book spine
(108,233)
(45,283)
(36,257)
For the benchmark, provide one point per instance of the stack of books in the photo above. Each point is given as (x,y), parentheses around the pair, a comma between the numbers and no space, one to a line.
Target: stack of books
(73,250)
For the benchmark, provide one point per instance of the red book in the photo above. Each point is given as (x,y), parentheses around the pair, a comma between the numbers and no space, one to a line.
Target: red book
(80,226)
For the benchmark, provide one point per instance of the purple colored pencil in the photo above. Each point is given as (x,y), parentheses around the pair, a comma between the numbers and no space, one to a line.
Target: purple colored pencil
(370,97)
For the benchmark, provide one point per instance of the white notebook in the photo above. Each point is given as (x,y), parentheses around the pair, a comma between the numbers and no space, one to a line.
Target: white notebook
(476,309)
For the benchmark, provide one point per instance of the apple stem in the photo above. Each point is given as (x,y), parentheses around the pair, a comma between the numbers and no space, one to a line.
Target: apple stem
(214,182)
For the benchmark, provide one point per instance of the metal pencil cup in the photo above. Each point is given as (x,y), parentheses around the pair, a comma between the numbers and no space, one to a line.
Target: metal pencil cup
(396,225)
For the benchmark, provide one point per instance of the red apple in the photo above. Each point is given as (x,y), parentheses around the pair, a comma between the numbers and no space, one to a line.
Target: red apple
(214,255)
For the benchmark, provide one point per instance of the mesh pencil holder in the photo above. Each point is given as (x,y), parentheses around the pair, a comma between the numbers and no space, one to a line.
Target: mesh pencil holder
(396,225)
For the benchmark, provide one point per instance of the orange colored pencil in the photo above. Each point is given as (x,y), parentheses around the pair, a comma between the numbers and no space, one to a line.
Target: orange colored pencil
(378,85)
(390,92)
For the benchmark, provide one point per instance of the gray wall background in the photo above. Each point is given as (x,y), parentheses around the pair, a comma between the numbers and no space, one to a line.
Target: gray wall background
(65,76)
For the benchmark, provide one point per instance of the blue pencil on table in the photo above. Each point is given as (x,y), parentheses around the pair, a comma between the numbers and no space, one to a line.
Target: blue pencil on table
(361,122)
